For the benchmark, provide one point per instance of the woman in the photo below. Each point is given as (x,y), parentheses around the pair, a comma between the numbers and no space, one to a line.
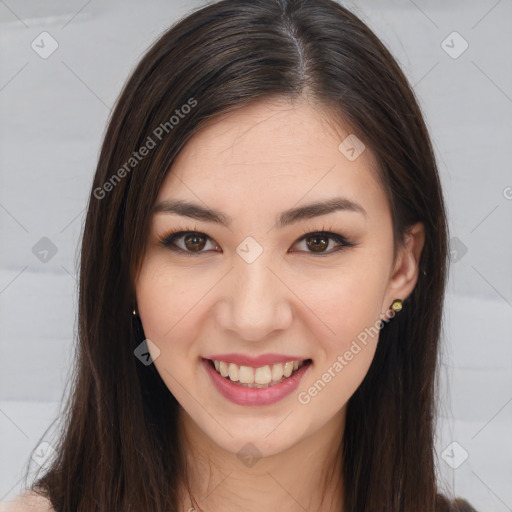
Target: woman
(266,213)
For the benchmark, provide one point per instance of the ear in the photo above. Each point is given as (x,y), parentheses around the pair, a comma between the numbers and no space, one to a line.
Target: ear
(405,273)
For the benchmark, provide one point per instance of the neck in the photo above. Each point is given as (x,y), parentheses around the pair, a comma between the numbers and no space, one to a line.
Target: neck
(306,476)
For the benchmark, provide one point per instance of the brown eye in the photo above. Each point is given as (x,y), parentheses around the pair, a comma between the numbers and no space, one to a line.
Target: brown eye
(188,242)
(317,243)
(194,242)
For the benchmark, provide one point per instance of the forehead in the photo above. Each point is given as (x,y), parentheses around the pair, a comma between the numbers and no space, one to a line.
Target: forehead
(271,153)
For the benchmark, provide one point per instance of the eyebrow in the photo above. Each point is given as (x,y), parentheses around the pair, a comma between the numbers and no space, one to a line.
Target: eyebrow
(286,218)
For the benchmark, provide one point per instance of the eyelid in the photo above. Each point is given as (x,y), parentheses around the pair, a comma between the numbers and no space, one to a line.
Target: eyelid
(342,241)
(168,239)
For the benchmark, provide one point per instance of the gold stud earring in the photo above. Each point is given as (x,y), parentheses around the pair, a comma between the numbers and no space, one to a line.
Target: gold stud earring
(134,313)
(397,305)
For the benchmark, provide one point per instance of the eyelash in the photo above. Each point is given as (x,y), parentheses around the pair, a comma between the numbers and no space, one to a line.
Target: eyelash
(169,239)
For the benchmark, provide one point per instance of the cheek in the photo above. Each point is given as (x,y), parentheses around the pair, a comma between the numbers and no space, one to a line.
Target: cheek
(350,305)
(168,306)
(348,301)
(345,353)
(167,303)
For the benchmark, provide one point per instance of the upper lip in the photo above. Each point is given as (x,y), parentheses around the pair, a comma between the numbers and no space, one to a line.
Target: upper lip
(256,362)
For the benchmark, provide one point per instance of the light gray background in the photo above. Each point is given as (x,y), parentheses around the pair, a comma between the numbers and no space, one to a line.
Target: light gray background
(53,114)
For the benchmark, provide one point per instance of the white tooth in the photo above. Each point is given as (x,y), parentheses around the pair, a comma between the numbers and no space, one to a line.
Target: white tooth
(288,368)
(223,367)
(233,372)
(257,377)
(277,372)
(246,374)
(263,375)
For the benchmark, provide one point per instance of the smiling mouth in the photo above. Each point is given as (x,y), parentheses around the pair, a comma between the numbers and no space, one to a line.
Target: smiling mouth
(262,377)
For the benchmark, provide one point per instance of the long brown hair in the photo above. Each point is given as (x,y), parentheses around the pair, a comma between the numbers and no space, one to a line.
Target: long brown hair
(118,449)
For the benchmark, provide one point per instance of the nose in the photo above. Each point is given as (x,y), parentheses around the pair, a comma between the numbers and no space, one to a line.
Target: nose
(255,302)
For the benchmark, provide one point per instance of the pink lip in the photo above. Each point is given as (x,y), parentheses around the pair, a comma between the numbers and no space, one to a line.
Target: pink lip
(255,362)
(254,396)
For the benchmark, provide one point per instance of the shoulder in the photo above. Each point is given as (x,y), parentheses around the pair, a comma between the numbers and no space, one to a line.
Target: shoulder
(27,502)
(456,505)
(461,505)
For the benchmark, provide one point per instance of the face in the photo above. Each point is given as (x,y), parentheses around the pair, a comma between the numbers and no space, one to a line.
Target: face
(256,282)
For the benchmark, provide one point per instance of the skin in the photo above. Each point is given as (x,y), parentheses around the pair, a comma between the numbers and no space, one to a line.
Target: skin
(253,164)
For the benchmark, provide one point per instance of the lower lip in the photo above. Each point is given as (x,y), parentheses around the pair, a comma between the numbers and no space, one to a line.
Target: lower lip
(254,396)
